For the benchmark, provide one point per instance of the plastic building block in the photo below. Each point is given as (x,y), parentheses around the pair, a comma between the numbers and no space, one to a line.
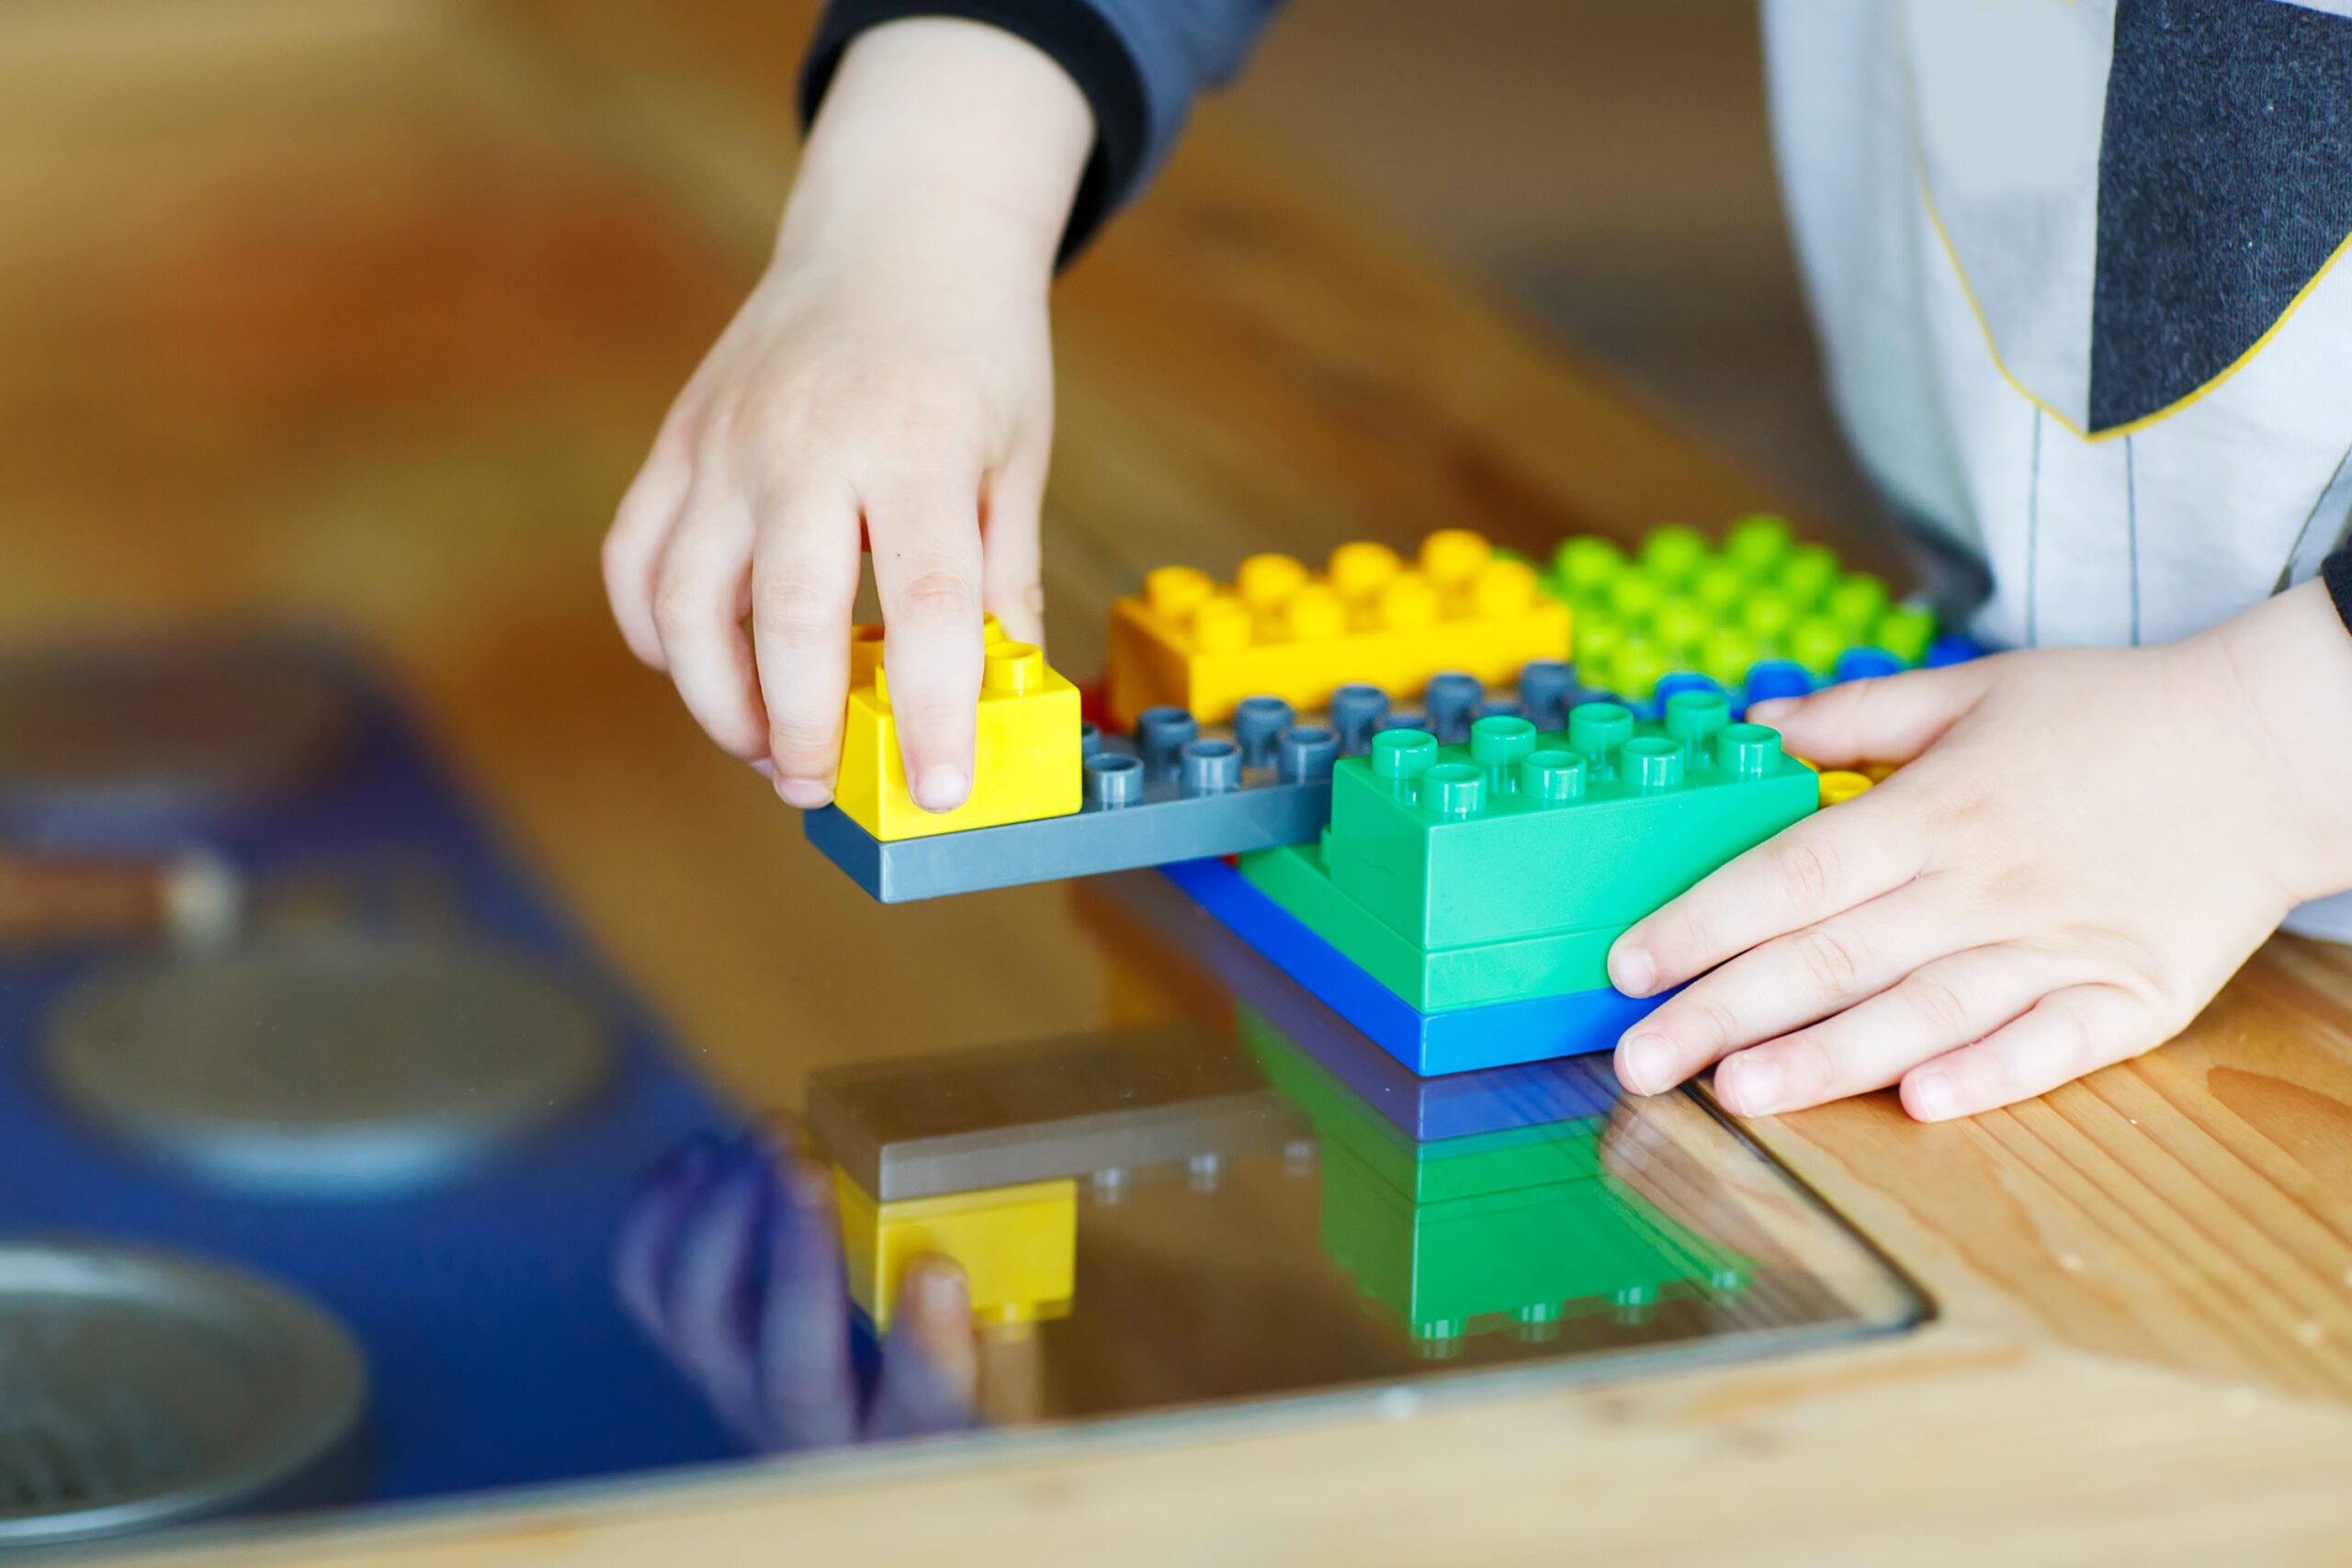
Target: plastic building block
(1839,784)
(1460,1039)
(1165,794)
(923,1126)
(1227,978)
(1281,631)
(1026,761)
(1017,1246)
(1425,1170)
(1551,965)
(1517,834)
(1764,616)
(1523,1260)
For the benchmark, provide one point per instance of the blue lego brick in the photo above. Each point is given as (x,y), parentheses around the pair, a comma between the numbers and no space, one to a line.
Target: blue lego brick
(1459,1040)
(1165,794)
(1453,1105)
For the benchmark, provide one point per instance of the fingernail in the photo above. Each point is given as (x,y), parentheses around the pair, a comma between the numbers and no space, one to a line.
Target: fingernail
(938,1285)
(1644,1063)
(764,768)
(1632,971)
(941,788)
(1930,1095)
(806,794)
(1754,1088)
(1769,709)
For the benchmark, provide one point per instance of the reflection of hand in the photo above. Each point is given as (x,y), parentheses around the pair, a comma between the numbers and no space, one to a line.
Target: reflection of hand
(1688,1166)
(734,1267)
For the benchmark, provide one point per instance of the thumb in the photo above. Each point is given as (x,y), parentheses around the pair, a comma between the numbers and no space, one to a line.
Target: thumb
(1888,719)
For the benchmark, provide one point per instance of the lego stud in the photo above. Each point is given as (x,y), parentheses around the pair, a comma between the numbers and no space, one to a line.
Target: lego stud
(1264,582)
(1865,663)
(1160,734)
(1595,732)
(1856,603)
(1450,555)
(1680,625)
(1766,615)
(1112,780)
(1221,624)
(1450,699)
(1726,655)
(1838,786)
(1552,778)
(1256,722)
(1807,573)
(1641,664)
(1545,687)
(881,687)
(1089,739)
(1747,751)
(992,629)
(1502,588)
(1174,592)
(1951,648)
(1013,667)
(1652,764)
(1359,568)
(1407,600)
(1777,678)
(1314,614)
(1673,552)
(1815,641)
(1210,767)
(1635,596)
(1905,631)
(1757,543)
(1717,587)
(1496,745)
(1400,756)
(1305,754)
(1356,709)
(1585,565)
(1693,719)
(1453,790)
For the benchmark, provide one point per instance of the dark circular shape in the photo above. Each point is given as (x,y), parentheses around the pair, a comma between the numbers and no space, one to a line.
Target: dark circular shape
(330,1069)
(166,728)
(139,1387)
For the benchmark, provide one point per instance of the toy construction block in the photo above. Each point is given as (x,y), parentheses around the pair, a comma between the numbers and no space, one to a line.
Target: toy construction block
(1551,964)
(1764,616)
(925,1127)
(1229,983)
(1457,1040)
(1165,793)
(1280,630)
(1519,833)
(1017,1246)
(1025,762)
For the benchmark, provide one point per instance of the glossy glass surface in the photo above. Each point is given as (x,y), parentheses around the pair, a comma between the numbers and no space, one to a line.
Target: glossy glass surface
(1235,1200)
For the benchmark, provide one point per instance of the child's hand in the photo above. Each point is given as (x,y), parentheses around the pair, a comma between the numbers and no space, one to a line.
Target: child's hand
(2088,844)
(889,377)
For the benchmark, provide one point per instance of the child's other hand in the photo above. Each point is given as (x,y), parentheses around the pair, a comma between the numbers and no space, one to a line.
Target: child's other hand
(890,378)
(2089,843)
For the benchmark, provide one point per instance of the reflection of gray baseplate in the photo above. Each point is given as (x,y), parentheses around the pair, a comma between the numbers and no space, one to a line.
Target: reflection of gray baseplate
(921,1126)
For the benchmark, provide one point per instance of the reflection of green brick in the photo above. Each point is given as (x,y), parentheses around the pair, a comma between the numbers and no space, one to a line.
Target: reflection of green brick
(1446,1167)
(1517,834)
(1552,965)
(1537,1254)
(1678,605)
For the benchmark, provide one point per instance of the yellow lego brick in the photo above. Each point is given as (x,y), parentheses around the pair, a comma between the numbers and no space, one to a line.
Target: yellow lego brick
(1017,1246)
(1026,762)
(1280,631)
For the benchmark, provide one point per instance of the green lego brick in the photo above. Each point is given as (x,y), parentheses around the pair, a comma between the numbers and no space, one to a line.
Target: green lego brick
(1500,1161)
(1553,964)
(1517,834)
(1532,1253)
(1679,603)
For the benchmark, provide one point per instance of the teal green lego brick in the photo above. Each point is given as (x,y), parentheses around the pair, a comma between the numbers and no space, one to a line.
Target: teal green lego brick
(1519,833)
(1498,1161)
(1552,965)
(1532,1254)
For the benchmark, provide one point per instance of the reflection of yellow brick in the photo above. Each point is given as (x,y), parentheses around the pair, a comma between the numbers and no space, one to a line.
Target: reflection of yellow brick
(1026,764)
(1017,1246)
(1280,631)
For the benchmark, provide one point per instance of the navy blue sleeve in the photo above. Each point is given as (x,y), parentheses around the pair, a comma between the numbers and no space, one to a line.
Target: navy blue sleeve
(1139,63)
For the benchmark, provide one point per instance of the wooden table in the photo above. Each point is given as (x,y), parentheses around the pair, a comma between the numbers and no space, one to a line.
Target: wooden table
(365,313)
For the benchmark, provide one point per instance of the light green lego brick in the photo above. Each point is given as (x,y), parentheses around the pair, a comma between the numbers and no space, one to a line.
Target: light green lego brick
(1519,834)
(1553,964)
(1535,1253)
(1500,1161)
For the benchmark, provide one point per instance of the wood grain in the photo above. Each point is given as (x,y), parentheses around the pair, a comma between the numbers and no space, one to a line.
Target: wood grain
(366,315)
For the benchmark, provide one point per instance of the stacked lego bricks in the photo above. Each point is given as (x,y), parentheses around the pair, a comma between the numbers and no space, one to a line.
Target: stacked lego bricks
(1460,908)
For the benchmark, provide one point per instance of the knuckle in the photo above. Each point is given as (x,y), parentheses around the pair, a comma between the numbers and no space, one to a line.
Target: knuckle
(1804,870)
(937,595)
(1834,959)
(683,609)
(803,741)
(1942,1009)
(799,608)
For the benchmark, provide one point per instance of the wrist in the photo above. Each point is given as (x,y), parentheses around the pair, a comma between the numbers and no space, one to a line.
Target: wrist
(2289,660)
(943,146)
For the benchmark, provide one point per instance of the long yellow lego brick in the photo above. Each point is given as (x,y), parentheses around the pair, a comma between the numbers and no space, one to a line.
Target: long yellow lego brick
(1017,1246)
